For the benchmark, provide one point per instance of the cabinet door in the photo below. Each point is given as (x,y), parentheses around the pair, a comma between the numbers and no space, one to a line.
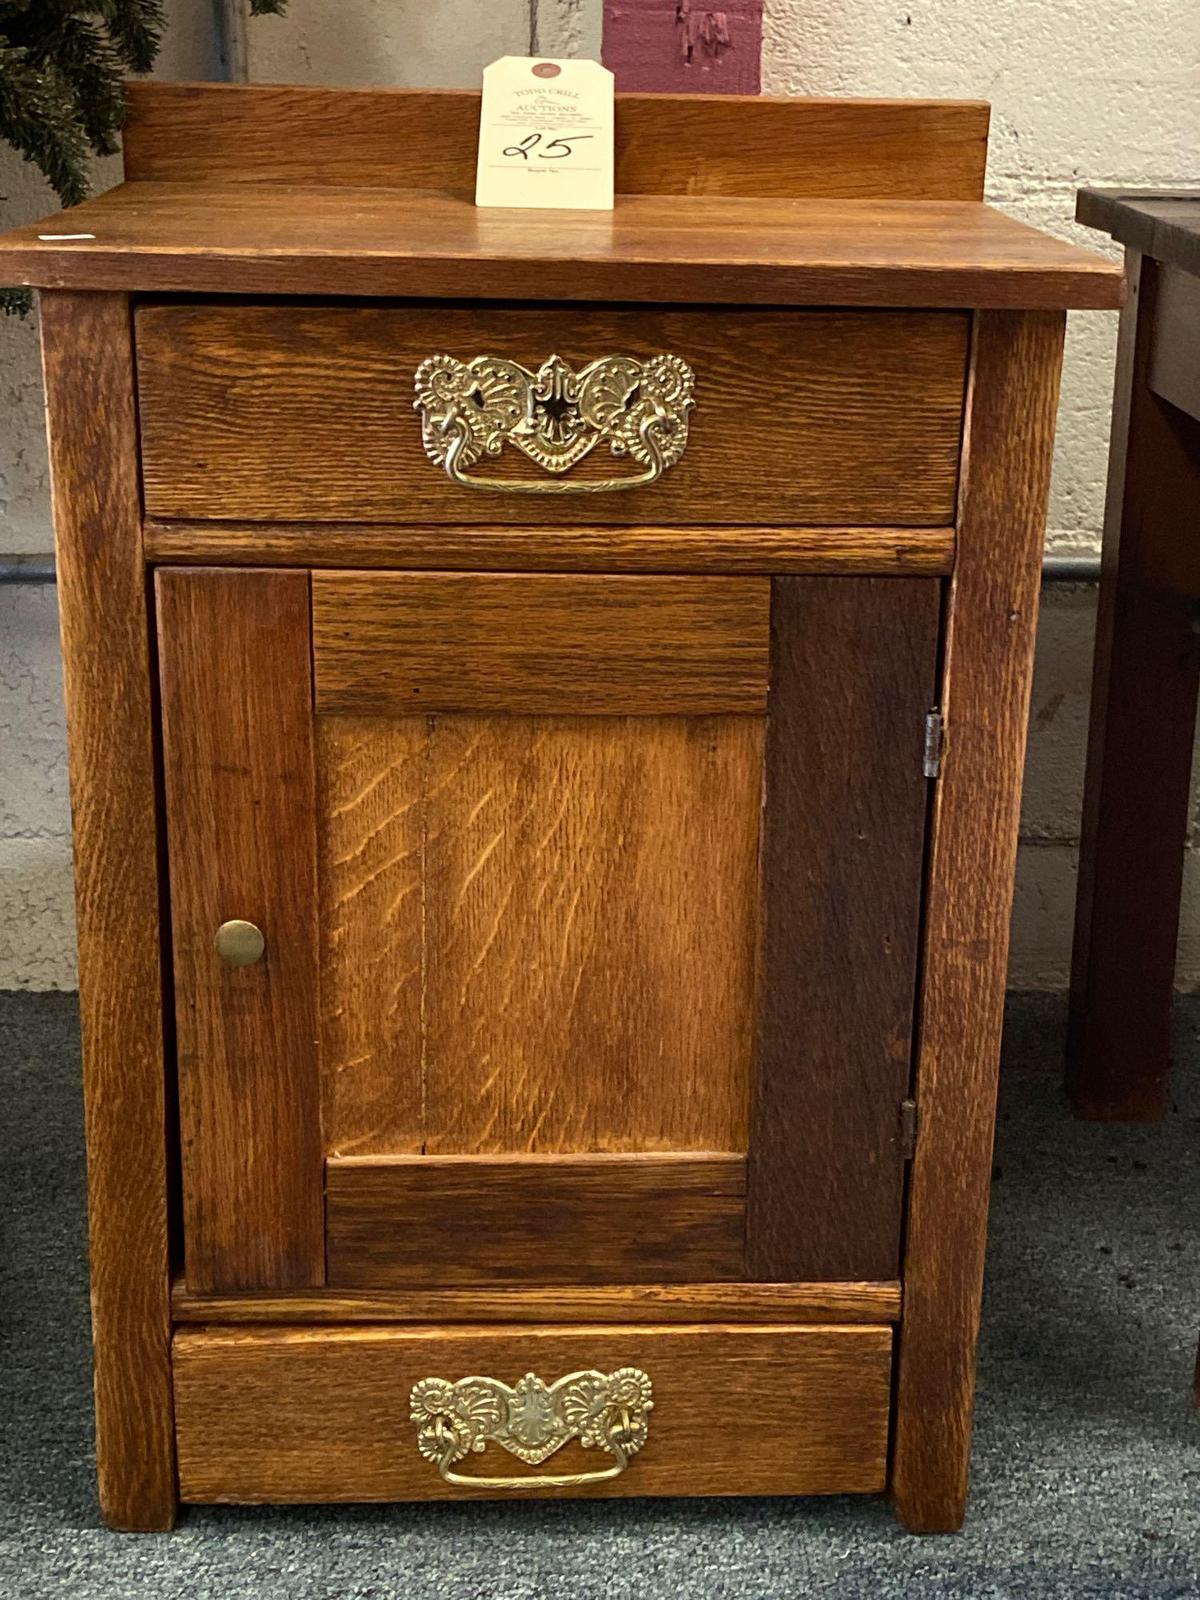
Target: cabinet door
(589,909)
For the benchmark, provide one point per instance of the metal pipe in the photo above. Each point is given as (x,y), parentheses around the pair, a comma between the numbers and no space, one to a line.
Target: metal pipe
(1071,569)
(27,569)
(1055,569)
(233,53)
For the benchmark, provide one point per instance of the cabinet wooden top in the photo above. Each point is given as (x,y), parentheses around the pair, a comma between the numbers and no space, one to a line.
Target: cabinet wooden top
(257,190)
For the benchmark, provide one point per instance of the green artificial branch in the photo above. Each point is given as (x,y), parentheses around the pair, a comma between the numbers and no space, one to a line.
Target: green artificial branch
(62,65)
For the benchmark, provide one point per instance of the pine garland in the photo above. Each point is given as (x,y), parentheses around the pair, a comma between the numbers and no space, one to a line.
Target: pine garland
(62,63)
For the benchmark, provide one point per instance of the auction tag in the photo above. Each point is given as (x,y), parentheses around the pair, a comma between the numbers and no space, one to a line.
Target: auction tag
(546,134)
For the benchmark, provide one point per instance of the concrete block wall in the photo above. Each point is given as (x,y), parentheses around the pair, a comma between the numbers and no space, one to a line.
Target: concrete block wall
(1081,94)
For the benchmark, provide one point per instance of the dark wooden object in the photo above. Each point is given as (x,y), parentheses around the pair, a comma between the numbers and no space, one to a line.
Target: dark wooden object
(1146,673)
(535,1219)
(843,850)
(525,916)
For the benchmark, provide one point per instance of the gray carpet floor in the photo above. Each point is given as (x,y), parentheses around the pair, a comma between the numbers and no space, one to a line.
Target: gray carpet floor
(1087,1454)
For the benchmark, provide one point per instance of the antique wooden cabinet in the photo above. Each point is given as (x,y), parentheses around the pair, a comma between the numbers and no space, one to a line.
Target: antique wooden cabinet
(546,700)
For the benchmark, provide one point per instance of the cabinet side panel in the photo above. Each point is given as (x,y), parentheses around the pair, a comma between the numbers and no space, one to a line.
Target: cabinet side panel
(238,761)
(86,343)
(988,665)
(852,678)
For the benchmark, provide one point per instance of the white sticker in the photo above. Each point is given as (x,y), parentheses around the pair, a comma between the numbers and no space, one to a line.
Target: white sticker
(546,135)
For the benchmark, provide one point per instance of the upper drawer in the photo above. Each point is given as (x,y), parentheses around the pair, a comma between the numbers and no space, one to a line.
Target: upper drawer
(305,413)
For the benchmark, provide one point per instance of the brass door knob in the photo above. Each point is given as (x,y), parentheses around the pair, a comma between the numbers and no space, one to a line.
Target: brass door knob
(239,944)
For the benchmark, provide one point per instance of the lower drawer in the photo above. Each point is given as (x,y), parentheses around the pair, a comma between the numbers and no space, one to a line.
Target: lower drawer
(310,1414)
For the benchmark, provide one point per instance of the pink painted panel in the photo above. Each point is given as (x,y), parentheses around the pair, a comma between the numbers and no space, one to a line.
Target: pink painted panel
(679,46)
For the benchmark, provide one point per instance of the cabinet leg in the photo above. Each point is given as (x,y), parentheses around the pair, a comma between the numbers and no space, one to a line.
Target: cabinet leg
(937,1508)
(973,848)
(87,351)
(148,1513)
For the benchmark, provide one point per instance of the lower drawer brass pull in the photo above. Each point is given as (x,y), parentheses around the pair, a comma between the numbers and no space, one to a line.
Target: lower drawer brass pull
(607,1411)
(471,409)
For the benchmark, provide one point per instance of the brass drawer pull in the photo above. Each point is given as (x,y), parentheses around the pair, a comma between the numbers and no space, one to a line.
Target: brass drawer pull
(471,409)
(533,1420)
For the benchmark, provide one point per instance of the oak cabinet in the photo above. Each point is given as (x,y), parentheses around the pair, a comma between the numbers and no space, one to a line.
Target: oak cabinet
(546,704)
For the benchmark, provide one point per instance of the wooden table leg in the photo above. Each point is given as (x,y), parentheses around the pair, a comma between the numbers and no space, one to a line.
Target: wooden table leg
(1147,667)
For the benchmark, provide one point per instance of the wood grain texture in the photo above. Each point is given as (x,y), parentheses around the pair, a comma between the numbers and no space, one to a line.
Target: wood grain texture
(371,785)
(986,677)
(568,921)
(255,239)
(309,411)
(587,880)
(430,1222)
(395,644)
(531,1303)
(87,354)
(1145,681)
(887,551)
(238,763)
(665,144)
(295,1414)
(853,674)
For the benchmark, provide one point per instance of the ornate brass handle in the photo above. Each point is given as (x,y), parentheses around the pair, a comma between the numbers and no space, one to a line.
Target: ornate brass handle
(471,409)
(532,1421)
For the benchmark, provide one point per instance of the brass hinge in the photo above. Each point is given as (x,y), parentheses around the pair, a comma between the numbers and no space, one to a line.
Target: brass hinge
(907,1135)
(935,738)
